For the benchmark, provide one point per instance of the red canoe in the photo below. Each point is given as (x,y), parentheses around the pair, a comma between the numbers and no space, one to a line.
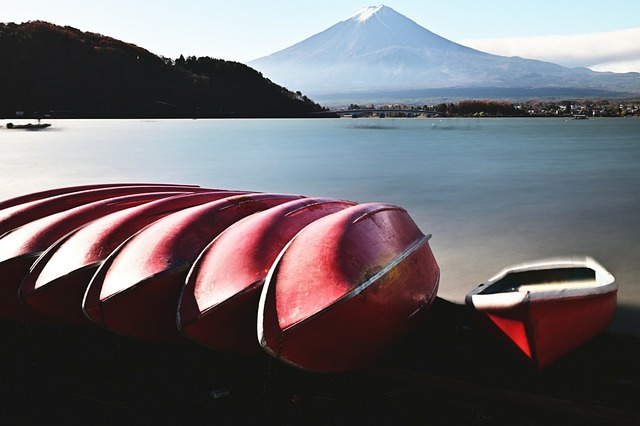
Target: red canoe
(219,303)
(546,309)
(135,292)
(58,280)
(20,247)
(48,193)
(21,214)
(346,288)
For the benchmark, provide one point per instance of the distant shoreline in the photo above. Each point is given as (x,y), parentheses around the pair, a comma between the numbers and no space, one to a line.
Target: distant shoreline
(331,114)
(474,108)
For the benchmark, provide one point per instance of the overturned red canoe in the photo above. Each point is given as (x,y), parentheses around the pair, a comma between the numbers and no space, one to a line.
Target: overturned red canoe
(219,303)
(22,213)
(58,280)
(52,192)
(346,288)
(20,247)
(135,292)
(546,309)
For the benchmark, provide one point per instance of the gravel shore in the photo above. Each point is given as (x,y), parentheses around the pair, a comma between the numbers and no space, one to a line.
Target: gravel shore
(447,372)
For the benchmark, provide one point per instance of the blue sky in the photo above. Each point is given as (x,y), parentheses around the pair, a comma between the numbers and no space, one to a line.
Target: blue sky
(602,35)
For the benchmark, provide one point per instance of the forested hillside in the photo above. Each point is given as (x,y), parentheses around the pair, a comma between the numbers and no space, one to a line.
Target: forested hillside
(61,71)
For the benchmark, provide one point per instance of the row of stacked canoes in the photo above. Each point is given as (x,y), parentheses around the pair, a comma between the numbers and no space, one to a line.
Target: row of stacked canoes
(320,283)
(323,284)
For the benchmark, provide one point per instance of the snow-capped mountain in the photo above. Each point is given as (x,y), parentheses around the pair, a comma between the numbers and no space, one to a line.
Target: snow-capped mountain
(378,49)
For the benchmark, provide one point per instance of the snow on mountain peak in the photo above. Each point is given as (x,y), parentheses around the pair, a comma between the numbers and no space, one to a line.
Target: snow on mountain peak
(379,49)
(365,13)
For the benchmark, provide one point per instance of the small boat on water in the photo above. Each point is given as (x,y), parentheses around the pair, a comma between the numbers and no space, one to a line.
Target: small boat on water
(28,126)
(547,308)
(219,302)
(346,288)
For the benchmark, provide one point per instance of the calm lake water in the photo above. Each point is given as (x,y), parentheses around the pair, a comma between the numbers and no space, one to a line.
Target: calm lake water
(493,192)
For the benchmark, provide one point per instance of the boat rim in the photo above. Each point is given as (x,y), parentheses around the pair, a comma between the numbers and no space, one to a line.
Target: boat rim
(604,283)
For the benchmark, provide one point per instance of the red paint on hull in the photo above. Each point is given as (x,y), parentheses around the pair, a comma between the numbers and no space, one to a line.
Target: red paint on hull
(21,214)
(346,288)
(587,315)
(56,284)
(61,299)
(547,310)
(34,196)
(31,239)
(12,271)
(546,331)
(159,257)
(231,328)
(147,310)
(219,303)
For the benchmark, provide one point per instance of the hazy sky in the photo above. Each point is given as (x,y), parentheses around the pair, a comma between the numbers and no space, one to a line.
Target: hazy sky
(602,35)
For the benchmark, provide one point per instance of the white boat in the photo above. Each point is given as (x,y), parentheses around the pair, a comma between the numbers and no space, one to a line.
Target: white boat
(548,308)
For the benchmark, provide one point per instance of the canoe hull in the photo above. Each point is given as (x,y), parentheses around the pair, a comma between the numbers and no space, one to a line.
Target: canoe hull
(346,288)
(13,271)
(146,311)
(61,299)
(56,284)
(544,325)
(155,262)
(230,327)
(219,303)
(34,196)
(32,239)
(355,333)
(16,215)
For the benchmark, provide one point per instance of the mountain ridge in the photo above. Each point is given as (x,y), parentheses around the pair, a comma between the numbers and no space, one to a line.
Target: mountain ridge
(379,49)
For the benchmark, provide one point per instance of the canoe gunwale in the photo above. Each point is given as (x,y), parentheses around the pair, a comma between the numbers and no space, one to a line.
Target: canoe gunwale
(174,269)
(50,252)
(53,192)
(43,258)
(237,295)
(91,266)
(604,283)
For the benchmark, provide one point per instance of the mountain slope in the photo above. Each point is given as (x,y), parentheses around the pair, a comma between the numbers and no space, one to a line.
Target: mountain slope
(61,69)
(379,49)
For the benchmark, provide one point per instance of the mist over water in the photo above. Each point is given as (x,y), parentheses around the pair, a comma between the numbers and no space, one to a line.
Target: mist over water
(493,192)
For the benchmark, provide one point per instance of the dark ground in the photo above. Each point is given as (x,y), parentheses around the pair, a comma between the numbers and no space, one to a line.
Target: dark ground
(449,372)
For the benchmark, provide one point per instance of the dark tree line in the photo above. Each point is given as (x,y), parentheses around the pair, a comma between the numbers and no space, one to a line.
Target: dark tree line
(476,107)
(48,69)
